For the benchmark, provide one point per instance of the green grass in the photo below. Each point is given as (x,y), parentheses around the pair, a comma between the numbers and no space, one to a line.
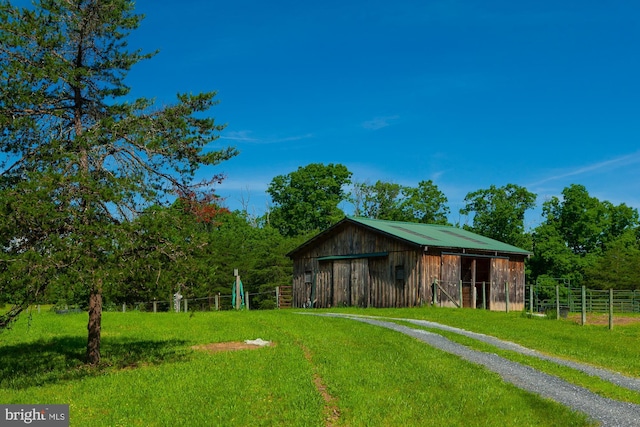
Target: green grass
(151,376)
(596,385)
(594,344)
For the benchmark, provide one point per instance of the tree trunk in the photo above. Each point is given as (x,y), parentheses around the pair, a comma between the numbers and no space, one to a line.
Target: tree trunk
(95,320)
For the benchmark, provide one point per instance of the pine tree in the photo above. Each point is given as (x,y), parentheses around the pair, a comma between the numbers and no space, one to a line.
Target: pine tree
(80,158)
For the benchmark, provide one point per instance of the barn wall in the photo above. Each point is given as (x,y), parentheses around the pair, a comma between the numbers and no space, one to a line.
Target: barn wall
(516,284)
(511,272)
(324,294)
(449,280)
(499,276)
(372,282)
(430,271)
(364,282)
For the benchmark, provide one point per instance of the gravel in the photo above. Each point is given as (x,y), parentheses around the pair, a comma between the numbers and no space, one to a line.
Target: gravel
(609,412)
(613,377)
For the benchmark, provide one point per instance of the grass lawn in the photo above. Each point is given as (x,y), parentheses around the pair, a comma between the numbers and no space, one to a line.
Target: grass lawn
(321,371)
(615,349)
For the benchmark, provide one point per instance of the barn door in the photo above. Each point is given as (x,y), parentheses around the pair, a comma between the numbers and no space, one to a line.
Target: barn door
(360,282)
(341,283)
(324,285)
(450,280)
(351,282)
(468,281)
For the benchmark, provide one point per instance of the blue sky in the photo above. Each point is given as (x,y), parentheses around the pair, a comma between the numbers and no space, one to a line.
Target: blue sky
(541,93)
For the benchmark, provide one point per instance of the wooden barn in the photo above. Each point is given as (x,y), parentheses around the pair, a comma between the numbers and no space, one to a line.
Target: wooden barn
(374,263)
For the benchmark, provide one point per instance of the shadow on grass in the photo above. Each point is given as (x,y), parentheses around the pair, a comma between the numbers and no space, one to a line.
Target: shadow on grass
(63,359)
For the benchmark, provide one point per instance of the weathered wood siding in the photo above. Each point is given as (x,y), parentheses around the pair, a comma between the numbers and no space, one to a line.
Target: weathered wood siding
(360,282)
(499,277)
(449,280)
(430,270)
(364,282)
(401,278)
(516,284)
(324,294)
(341,283)
(378,280)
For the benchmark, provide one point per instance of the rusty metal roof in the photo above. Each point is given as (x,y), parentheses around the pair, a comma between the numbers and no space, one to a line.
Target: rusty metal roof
(437,235)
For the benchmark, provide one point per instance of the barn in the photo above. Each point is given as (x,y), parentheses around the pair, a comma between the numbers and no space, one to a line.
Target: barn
(374,263)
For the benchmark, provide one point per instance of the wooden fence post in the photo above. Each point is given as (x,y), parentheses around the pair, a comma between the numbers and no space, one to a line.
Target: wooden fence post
(277,296)
(435,291)
(484,296)
(610,308)
(217,301)
(506,295)
(155,306)
(186,305)
(460,293)
(246,300)
(557,301)
(584,305)
(124,307)
(531,299)
(474,294)
(238,301)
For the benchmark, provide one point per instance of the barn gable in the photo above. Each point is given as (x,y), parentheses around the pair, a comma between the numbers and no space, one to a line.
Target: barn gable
(375,263)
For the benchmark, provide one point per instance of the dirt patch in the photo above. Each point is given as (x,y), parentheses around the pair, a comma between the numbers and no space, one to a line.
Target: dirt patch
(228,346)
(331,411)
(603,319)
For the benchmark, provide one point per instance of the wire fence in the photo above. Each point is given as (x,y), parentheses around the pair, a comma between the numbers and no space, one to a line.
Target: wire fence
(272,299)
(546,297)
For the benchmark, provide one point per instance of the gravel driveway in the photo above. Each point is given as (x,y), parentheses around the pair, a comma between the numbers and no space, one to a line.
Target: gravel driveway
(607,411)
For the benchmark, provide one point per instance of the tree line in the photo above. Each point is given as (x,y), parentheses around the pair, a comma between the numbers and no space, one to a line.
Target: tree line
(193,244)
(580,238)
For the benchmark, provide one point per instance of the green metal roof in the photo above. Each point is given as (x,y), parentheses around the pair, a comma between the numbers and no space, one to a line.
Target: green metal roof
(437,235)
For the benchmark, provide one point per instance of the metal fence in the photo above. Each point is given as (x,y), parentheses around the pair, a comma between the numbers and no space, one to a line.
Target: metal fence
(547,297)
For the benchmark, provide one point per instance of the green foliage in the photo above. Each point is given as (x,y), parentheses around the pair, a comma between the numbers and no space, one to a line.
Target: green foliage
(378,201)
(498,213)
(307,199)
(587,240)
(176,251)
(552,256)
(259,254)
(617,268)
(81,158)
(384,200)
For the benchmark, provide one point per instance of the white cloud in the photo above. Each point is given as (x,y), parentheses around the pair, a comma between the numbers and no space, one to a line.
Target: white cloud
(245,136)
(290,138)
(379,122)
(607,164)
(242,135)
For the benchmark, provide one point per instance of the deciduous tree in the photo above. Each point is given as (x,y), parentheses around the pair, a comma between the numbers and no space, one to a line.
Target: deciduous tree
(617,268)
(425,203)
(378,201)
(582,235)
(307,199)
(498,213)
(390,201)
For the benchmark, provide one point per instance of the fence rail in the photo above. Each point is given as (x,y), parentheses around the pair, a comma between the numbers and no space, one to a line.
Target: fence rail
(570,298)
(565,299)
(280,297)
